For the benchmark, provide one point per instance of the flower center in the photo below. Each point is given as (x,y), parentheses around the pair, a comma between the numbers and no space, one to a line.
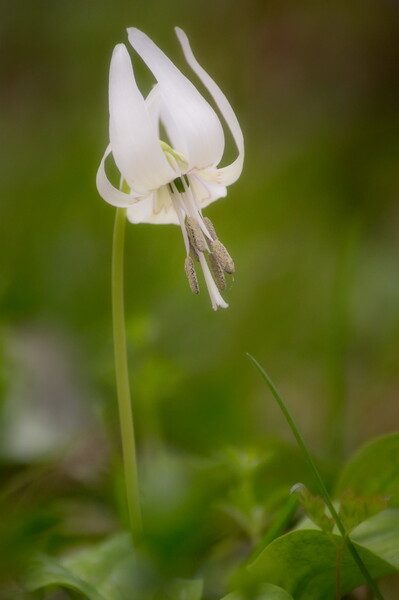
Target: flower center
(175,158)
(201,241)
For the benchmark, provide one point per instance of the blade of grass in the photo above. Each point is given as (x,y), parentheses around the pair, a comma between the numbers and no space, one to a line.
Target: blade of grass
(322,488)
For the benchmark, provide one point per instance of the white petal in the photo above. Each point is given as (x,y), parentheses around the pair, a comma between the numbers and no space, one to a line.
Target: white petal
(231,173)
(205,192)
(153,104)
(133,138)
(156,208)
(191,123)
(110,193)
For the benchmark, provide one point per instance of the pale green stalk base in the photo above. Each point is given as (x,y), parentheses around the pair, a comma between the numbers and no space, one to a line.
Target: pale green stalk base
(122,377)
(322,488)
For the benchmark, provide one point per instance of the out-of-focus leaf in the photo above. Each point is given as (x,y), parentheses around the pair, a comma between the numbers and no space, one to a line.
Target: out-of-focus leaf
(354,510)
(109,571)
(273,592)
(304,561)
(48,572)
(268,592)
(185,589)
(374,470)
(380,535)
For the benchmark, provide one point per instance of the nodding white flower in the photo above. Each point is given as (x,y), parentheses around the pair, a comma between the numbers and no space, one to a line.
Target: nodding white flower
(171,181)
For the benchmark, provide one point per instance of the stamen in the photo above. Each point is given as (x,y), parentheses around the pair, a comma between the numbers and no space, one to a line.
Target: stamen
(193,251)
(217,272)
(214,293)
(223,257)
(209,225)
(196,234)
(193,208)
(179,212)
(191,275)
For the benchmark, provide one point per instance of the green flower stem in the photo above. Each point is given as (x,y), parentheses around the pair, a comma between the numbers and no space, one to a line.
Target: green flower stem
(322,488)
(122,377)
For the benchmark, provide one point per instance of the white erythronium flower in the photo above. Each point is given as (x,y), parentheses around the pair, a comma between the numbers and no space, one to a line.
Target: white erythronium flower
(170,182)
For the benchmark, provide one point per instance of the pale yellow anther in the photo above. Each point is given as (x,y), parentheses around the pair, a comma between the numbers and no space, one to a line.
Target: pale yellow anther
(191,275)
(193,251)
(223,257)
(211,229)
(217,272)
(196,235)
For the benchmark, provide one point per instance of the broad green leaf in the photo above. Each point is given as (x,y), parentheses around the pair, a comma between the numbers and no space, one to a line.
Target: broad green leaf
(109,571)
(304,561)
(374,470)
(354,509)
(380,535)
(267,592)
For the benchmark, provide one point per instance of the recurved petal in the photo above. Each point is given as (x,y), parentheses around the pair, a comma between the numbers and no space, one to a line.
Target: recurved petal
(191,123)
(110,193)
(206,192)
(133,136)
(229,174)
(156,208)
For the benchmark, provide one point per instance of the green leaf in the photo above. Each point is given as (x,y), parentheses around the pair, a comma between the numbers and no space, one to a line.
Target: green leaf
(50,573)
(380,535)
(354,509)
(109,571)
(374,470)
(304,561)
(273,592)
(267,592)
(315,508)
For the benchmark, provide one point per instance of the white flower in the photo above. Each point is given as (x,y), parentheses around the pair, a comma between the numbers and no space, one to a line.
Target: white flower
(171,181)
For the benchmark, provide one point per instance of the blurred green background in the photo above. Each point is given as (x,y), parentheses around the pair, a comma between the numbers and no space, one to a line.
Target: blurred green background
(313,226)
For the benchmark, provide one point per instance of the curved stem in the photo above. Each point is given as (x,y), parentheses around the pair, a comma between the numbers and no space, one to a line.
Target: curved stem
(122,376)
(322,488)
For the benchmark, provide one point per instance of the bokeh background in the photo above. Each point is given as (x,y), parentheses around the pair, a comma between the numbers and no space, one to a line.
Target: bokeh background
(313,226)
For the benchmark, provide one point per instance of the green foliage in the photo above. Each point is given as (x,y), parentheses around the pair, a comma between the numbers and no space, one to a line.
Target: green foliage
(315,508)
(354,510)
(267,592)
(185,589)
(258,482)
(108,571)
(304,562)
(374,470)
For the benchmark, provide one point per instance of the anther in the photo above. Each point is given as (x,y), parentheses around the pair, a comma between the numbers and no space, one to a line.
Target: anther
(217,272)
(191,275)
(209,225)
(193,251)
(195,234)
(223,257)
